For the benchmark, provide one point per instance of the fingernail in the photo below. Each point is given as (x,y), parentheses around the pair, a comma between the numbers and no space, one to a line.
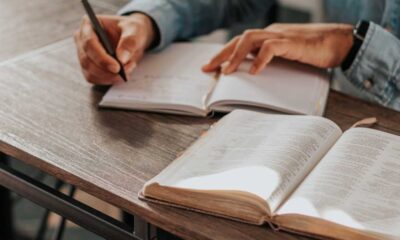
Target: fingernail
(113,68)
(125,56)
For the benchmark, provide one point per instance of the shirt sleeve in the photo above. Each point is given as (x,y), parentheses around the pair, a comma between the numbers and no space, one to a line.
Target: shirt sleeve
(183,19)
(376,68)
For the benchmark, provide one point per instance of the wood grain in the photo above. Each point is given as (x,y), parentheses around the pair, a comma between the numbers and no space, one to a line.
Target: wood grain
(49,119)
(27,25)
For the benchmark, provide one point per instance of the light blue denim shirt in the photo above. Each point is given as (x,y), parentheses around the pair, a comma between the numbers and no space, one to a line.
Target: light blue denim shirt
(374,74)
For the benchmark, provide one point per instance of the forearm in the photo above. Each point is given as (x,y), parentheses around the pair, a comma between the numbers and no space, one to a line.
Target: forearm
(183,19)
(376,68)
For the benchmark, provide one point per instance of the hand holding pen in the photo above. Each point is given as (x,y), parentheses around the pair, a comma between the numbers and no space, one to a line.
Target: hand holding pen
(128,37)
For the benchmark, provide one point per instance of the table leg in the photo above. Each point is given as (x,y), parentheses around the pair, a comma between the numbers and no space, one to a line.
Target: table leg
(144,230)
(141,228)
(164,235)
(128,219)
(6,219)
(73,210)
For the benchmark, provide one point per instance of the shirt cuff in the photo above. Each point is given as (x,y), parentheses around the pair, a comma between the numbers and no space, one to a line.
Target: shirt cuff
(374,69)
(161,13)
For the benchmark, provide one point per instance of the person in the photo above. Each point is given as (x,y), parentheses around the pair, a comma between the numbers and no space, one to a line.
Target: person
(361,41)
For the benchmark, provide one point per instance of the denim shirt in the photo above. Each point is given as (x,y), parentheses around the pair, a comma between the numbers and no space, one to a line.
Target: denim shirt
(375,73)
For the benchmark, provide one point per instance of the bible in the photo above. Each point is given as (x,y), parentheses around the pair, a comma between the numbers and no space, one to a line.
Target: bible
(300,174)
(172,82)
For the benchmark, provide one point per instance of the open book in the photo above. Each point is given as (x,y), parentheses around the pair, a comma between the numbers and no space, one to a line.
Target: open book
(298,173)
(172,82)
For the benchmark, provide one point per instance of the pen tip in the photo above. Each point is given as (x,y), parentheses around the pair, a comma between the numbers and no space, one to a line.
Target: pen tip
(123,75)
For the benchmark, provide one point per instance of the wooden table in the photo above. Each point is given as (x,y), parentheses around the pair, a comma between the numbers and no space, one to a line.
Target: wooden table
(49,119)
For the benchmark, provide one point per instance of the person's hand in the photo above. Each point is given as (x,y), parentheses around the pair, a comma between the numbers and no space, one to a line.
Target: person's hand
(129,35)
(320,45)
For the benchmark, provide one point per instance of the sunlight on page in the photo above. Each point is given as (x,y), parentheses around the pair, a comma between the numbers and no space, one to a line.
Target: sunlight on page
(356,184)
(263,154)
(386,225)
(301,205)
(258,180)
(340,216)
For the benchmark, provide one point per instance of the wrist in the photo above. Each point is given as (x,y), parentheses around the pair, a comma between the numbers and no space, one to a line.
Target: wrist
(358,35)
(344,43)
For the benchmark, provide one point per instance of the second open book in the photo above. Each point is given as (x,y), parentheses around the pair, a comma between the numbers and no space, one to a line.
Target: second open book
(299,173)
(172,81)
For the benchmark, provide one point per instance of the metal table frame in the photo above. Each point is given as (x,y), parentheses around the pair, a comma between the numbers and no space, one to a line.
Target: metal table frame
(64,205)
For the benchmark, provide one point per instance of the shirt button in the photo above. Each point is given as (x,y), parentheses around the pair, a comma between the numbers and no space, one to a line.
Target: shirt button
(368,84)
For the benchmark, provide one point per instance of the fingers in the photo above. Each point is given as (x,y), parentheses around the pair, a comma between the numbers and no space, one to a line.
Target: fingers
(237,50)
(216,62)
(132,42)
(250,41)
(98,76)
(93,73)
(89,42)
(97,66)
(270,49)
(131,65)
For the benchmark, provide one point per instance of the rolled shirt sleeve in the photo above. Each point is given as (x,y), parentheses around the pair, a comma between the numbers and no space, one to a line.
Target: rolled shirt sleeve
(184,19)
(376,68)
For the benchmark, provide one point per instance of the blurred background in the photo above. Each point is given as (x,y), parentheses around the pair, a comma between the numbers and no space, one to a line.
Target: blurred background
(288,11)
(27,215)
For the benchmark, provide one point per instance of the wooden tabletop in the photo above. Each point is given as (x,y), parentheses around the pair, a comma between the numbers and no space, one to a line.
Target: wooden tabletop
(27,25)
(49,119)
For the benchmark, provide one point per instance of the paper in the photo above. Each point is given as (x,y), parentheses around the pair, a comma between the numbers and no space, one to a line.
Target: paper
(283,86)
(266,155)
(171,78)
(357,184)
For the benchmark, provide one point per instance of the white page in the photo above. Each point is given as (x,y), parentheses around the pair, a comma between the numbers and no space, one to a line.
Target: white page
(356,184)
(285,86)
(172,77)
(266,155)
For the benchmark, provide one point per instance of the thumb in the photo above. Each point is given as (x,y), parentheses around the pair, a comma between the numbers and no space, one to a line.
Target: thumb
(128,43)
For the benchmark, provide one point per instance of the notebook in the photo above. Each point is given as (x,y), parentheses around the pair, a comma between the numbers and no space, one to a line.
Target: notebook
(297,173)
(172,82)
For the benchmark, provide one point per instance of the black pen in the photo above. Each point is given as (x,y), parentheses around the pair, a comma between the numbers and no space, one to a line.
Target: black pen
(103,37)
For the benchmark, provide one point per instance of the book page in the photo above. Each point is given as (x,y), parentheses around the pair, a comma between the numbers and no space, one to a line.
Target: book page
(263,154)
(172,77)
(356,184)
(284,86)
